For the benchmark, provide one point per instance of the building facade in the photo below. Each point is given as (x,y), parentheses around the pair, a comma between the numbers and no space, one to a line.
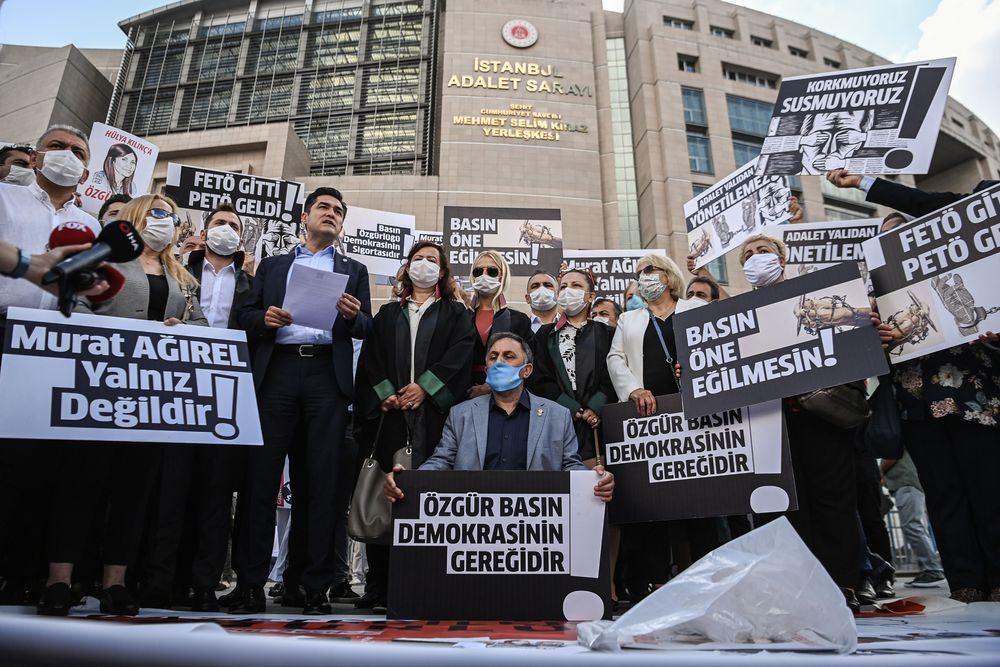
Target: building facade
(616,119)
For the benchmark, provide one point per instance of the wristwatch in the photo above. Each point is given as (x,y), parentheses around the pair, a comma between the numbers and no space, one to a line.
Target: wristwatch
(23,264)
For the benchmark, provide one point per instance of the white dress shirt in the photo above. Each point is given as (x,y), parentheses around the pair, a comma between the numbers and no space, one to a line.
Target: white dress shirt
(417,311)
(27,218)
(217,291)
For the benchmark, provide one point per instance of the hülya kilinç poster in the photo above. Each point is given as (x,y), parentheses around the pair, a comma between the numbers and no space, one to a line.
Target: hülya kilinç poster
(935,278)
(735,208)
(876,120)
(120,164)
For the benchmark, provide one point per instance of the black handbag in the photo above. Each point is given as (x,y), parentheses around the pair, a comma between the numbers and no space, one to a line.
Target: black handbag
(843,405)
(371,512)
(883,435)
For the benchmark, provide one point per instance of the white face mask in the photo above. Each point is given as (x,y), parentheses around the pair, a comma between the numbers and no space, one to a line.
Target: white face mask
(158,234)
(424,273)
(486,284)
(543,299)
(62,167)
(651,287)
(222,240)
(19,176)
(601,319)
(572,300)
(763,269)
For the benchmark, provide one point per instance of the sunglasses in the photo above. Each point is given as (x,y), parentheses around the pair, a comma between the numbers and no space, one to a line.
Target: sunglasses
(161,213)
(646,271)
(491,271)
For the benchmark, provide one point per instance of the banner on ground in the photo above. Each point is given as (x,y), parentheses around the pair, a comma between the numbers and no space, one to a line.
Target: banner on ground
(377,239)
(669,466)
(97,379)
(812,246)
(270,208)
(935,278)
(876,120)
(528,238)
(613,269)
(737,207)
(784,340)
(120,164)
(488,545)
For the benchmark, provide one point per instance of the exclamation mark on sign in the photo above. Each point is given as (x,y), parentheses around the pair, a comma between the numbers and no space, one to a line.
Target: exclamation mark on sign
(926,83)
(534,253)
(291,197)
(826,341)
(224,392)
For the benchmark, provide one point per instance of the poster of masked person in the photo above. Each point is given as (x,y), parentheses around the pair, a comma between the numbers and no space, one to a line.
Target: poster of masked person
(876,120)
(738,206)
(935,278)
(527,238)
(120,164)
(812,246)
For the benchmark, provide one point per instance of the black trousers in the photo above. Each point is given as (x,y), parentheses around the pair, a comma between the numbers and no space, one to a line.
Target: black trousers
(296,392)
(825,483)
(959,465)
(870,507)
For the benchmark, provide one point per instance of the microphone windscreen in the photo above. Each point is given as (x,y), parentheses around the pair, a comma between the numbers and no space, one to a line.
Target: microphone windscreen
(115,283)
(70,233)
(124,241)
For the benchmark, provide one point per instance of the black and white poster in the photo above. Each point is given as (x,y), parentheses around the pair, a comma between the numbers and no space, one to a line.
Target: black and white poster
(670,466)
(736,207)
(528,238)
(269,208)
(876,120)
(613,269)
(936,278)
(426,235)
(377,239)
(784,340)
(499,545)
(812,246)
(95,378)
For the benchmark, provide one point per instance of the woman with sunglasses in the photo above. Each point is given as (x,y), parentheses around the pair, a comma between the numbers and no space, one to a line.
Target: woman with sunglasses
(642,364)
(125,477)
(416,363)
(490,276)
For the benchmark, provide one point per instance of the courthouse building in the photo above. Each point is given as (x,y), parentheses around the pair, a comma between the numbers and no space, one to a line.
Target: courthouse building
(615,119)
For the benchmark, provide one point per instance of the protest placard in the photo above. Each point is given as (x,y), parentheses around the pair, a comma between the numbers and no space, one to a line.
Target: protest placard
(817,245)
(875,120)
(613,269)
(425,235)
(510,545)
(377,239)
(784,340)
(120,164)
(733,209)
(669,466)
(528,238)
(935,278)
(96,378)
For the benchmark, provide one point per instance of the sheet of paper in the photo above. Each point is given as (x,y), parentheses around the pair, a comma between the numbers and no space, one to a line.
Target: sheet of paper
(312,295)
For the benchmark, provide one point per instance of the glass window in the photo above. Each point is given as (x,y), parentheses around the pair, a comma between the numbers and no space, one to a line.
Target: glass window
(694,106)
(717,267)
(234,28)
(264,99)
(394,41)
(327,139)
(336,15)
(279,22)
(835,212)
(687,63)
(697,189)
(797,52)
(149,113)
(680,24)
(390,86)
(699,153)
(387,133)
(160,67)
(398,8)
(621,126)
(744,151)
(327,91)
(831,63)
(214,60)
(206,106)
(725,33)
(748,76)
(332,48)
(749,116)
(273,54)
(761,41)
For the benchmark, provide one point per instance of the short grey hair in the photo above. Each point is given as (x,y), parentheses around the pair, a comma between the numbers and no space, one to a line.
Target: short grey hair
(525,348)
(75,131)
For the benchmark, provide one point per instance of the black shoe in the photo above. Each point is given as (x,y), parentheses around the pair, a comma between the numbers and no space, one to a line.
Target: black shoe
(204,600)
(380,607)
(251,602)
(866,593)
(233,596)
(343,594)
(276,591)
(56,600)
(316,604)
(366,601)
(117,601)
(294,596)
(884,589)
(852,600)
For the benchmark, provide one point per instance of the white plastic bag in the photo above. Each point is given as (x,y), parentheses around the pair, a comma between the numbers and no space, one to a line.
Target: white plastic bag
(763,587)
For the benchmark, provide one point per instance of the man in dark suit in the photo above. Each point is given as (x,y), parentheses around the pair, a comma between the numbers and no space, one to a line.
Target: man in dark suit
(304,382)
(897,196)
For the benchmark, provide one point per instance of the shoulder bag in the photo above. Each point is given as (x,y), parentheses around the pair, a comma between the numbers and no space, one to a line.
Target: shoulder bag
(371,513)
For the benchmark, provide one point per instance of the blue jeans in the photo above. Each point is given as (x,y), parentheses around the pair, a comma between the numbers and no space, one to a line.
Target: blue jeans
(913,520)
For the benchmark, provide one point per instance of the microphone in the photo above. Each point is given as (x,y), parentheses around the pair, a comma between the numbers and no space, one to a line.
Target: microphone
(118,242)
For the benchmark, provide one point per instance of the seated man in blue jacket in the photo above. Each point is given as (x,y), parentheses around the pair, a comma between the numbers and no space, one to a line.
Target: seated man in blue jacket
(509,428)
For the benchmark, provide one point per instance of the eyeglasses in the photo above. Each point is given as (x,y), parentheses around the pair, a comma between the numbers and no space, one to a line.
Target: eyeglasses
(646,271)
(491,271)
(161,213)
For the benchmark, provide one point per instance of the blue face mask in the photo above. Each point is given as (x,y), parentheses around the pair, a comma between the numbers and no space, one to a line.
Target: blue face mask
(635,302)
(503,377)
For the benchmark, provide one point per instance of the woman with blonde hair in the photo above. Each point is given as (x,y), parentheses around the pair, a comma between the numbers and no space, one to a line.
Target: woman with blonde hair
(157,288)
(490,277)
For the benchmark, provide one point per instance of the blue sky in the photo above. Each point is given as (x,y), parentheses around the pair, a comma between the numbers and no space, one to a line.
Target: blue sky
(899,30)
